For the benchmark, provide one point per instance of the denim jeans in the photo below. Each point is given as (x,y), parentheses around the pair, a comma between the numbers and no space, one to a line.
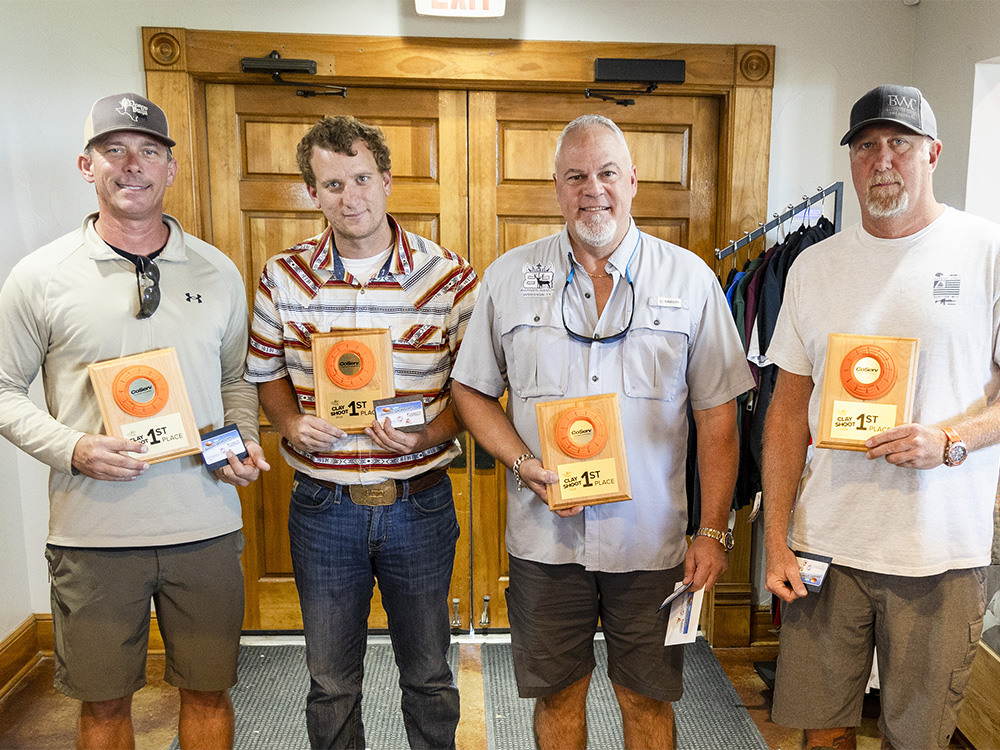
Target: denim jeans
(339,550)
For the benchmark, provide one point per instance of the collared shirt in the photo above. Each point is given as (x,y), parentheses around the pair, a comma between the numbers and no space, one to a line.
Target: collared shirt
(424,294)
(682,347)
(73,302)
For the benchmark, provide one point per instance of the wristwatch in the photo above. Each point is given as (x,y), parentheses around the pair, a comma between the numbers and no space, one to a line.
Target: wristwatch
(955,451)
(724,538)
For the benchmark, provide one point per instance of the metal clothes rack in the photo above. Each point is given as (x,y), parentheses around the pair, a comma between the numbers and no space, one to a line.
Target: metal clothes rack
(836,188)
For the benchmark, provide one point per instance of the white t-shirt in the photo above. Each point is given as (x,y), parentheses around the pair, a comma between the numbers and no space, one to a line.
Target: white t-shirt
(942,286)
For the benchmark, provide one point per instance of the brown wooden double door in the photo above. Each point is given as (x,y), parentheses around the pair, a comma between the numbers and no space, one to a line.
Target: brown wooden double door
(472,170)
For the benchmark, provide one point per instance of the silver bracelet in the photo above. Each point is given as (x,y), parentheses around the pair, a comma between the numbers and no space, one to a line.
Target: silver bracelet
(517,466)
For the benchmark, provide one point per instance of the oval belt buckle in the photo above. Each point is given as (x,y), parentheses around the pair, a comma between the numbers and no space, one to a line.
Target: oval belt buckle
(383,493)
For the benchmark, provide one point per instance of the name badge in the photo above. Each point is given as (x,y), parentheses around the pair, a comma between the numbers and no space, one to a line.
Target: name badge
(666,302)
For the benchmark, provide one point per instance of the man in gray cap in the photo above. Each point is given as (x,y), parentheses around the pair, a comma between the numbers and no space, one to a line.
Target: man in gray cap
(124,531)
(906,521)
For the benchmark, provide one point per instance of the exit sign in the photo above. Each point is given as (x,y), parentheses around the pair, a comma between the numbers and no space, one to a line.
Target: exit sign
(461,8)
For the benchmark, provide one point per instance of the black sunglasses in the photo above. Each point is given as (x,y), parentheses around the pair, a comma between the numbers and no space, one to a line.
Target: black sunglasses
(148,279)
(596,337)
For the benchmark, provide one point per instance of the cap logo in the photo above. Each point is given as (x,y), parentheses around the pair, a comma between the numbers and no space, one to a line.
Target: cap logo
(895,100)
(133,110)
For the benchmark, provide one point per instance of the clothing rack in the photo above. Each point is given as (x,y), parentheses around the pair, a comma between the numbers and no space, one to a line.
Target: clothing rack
(836,188)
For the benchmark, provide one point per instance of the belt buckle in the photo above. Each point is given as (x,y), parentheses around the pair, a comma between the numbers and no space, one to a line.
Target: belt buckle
(383,493)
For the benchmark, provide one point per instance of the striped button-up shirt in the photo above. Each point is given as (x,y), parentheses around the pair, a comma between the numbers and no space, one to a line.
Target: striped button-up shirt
(424,294)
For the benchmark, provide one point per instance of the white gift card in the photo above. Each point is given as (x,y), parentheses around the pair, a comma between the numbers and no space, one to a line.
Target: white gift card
(685,613)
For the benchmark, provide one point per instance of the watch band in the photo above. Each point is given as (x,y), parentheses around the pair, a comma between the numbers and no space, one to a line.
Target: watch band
(725,538)
(951,435)
(955,449)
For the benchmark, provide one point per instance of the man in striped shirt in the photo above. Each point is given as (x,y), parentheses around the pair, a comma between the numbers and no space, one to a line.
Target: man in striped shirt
(366,272)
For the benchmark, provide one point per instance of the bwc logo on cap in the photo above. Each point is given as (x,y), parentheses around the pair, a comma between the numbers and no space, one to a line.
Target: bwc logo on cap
(132,109)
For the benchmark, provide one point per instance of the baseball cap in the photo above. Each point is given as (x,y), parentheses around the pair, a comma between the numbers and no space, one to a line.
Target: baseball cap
(889,103)
(126,112)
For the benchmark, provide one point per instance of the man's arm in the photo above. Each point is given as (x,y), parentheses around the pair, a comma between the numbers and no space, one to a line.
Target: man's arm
(917,446)
(306,432)
(493,431)
(718,464)
(786,443)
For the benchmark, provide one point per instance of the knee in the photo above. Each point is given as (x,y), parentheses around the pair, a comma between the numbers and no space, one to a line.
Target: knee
(205,699)
(110,710)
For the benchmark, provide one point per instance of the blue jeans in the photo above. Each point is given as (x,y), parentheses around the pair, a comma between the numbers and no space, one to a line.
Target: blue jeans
(338,551)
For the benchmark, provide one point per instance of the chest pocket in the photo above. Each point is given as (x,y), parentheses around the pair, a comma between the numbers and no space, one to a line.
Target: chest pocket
(536,349)
(655,353)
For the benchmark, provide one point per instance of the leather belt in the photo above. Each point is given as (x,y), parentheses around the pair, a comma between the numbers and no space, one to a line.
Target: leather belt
(387,491)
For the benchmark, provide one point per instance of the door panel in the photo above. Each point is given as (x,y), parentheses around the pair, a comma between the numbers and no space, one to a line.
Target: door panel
(260,207)
(674,144)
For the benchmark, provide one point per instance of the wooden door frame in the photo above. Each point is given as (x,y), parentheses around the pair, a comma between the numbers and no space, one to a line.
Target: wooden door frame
(178,63)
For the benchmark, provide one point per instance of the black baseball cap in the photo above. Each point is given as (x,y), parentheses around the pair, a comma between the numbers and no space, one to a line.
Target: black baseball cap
(904,105)
(126,112)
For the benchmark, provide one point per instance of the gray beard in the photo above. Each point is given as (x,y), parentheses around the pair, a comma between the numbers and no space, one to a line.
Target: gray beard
(596,236)
(887,206)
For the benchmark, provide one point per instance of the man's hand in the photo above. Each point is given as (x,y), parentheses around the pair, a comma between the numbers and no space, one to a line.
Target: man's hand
(241,473)
(704,563)
(310,434)
(385,435)
(105,457)
(537,478)
(782,578)
(911,446)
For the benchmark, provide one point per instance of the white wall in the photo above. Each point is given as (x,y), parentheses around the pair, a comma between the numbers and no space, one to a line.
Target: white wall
(60,55)
(982,190)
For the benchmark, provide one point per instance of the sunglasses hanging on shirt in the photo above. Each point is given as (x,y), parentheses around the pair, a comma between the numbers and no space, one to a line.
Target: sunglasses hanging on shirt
(148,279)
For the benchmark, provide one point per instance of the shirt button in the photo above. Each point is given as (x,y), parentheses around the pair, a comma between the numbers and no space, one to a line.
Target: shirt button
(594,378)
(362,291)
(587,295)
(537,318)
(656,322)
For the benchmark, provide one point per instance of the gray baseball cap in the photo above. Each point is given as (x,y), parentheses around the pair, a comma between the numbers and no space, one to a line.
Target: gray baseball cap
(126,112)
(904,105)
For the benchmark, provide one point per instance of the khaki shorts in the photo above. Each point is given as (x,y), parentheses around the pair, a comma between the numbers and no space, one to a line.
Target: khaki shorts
(100,612)
(553,612)
(926,631)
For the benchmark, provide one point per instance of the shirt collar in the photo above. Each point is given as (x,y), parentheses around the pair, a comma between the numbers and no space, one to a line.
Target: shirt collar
(174,250)
(326,258)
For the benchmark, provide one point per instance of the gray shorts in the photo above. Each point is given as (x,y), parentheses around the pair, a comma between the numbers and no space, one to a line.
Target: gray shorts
(926,631)
(553,612)
(100,613)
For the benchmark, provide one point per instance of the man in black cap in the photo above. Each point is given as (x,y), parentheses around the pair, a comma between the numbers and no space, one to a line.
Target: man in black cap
(906,521)
(122,530)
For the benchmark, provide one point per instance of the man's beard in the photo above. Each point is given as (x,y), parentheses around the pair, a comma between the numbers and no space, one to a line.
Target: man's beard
(596,233)
(887,203)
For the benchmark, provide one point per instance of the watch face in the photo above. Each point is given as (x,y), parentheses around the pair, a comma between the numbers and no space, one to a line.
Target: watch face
(956,454)
(728,541)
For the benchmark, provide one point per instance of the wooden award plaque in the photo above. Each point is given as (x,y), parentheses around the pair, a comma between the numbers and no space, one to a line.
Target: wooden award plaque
(142,397)
(352,367)
(582,442)
(868,387)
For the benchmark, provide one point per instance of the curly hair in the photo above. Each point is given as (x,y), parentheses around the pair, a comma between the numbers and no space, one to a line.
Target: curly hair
(338,134)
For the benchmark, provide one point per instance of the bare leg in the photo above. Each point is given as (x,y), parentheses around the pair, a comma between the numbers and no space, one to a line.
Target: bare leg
(561,719)
(206,721)
(647,722)
(839,738)
(106,725)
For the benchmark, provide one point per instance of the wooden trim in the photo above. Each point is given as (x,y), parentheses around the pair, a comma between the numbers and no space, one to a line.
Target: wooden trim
(762,627)
(979,717)
(18,653)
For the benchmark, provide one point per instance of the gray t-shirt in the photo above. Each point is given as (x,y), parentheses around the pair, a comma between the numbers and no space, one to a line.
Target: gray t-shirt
(942,286)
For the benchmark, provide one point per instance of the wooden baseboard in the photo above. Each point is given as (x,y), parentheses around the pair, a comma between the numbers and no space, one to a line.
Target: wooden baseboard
(979,718)
(762,627)
(33,640)
(18,653)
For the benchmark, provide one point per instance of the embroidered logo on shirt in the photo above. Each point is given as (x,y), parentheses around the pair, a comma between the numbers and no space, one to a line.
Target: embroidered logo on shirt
(192,297)
(946,289)
(537,280)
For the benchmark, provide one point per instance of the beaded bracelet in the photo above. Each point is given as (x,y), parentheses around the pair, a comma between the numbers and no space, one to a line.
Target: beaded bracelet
(517,466)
